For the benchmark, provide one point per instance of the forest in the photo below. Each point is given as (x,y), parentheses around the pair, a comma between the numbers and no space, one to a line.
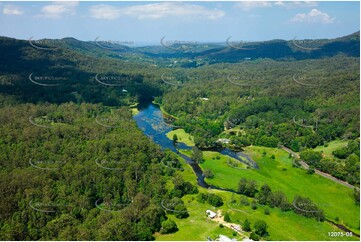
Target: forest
(75,165)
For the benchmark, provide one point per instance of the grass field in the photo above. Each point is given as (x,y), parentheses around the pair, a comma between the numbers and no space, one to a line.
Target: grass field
(285,225)
(333,145)
(335,199)
(281,225)
(182,136)
(197,226)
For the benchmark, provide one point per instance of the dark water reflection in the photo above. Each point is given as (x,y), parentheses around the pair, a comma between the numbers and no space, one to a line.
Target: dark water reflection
(150,120)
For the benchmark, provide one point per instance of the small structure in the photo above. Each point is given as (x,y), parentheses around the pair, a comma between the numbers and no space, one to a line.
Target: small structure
(204,98)
(236,228)
(211,214)
(225,238)
(224,141)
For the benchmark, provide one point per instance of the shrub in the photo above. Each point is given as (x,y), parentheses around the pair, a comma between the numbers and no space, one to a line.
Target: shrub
(168,226)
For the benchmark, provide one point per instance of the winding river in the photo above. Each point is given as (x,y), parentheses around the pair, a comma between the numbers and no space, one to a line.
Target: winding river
(150,120)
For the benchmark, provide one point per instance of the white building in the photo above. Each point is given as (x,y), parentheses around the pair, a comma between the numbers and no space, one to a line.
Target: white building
(225,238)
(211,214)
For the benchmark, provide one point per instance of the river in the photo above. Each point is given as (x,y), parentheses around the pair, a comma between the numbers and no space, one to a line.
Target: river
(150,120)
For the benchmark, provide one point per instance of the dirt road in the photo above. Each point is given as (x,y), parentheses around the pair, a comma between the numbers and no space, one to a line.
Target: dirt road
(305,166)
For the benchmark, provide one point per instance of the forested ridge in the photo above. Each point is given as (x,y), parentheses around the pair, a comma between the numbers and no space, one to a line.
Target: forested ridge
(75,166)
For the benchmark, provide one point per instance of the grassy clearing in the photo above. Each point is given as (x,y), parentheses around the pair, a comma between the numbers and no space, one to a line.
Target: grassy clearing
(284,225)
(333,145)
(182,136)
(335,199)
(197,226)
(135,111)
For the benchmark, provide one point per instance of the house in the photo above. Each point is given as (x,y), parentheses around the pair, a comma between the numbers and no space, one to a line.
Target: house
(225,238)
(211,214)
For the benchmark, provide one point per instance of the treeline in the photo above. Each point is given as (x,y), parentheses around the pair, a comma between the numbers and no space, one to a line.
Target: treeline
(265,196)
(84,172)
(263,100)
(346,165)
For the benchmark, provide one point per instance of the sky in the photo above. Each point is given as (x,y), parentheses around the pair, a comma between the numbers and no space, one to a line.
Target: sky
(149,22)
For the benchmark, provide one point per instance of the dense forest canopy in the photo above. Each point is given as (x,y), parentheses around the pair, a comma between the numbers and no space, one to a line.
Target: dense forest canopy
(70,148)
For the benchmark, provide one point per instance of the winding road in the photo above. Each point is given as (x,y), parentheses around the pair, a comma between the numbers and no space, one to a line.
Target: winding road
(305,166)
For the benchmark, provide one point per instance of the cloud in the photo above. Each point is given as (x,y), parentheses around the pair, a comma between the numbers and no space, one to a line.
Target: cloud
(58,9)
(296,4)
(12,10)
(245,6)
(155,11)
(314,16)
(248,5)
(103,11)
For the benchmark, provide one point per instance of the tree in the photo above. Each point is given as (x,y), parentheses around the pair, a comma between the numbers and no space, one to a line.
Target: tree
(247,187)
(311,170)
(356,195)
(264,194)
(246,226)
(342,153)
(260,228)
(208,173)
(266,211)
(181,211)
(226,217)
(197,155)
(168,227)
(215,200)
(311,157)
(175,138)
(254,236)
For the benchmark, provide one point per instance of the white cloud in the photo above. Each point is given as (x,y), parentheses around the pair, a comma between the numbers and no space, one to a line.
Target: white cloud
(12,10)
(296,4)
(103,11)
(58,9)
(248,5)
(155,11)
(245,6)
(314,16)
